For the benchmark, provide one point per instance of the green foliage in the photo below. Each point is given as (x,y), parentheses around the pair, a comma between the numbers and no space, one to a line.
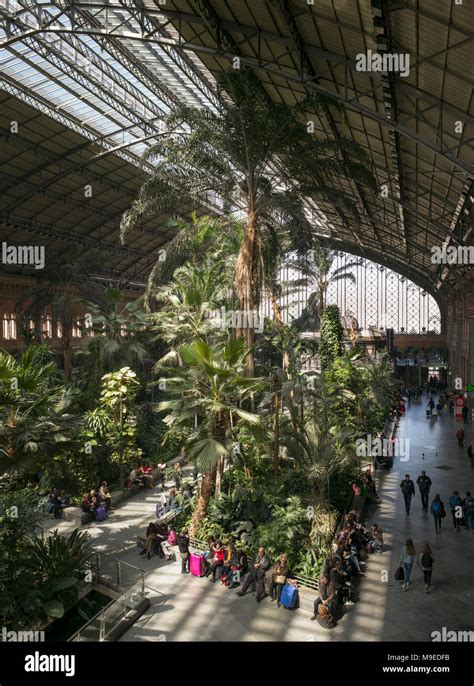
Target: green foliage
(332,336)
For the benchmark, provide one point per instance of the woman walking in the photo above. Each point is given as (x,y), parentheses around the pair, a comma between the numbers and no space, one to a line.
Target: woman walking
(426,563)
(438,512)
(407,559)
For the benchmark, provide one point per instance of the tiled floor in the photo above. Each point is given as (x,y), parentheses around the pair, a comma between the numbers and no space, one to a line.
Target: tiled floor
(185,608)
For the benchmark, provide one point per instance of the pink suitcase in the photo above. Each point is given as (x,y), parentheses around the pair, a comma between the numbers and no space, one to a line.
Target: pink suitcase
(197,564)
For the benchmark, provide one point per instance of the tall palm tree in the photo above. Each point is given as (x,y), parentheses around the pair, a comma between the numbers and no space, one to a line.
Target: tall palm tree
(256,155)
(206,395)
(59,288)
(316,273)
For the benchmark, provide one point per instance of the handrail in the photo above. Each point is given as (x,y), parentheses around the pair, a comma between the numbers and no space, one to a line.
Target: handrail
(92,619)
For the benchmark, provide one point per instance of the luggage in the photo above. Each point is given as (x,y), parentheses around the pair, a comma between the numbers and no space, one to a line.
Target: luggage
(289,596)
(428,414)
(100,514)
(197,564)
(399,574)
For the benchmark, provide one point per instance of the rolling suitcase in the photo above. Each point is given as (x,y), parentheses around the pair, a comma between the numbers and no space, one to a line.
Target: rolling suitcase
(197,564)
(100,514)
(289,596)
(428,414)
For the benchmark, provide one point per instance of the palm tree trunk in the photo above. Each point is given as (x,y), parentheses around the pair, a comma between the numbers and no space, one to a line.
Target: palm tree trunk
(245,286)
(276,430)
(219,475)
(67,354)
(278,319)
(207,488)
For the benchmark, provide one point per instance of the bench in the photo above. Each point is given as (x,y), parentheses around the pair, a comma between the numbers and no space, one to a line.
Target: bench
(76,515)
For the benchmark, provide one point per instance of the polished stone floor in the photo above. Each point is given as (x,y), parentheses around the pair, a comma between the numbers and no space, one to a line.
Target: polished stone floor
(185,608)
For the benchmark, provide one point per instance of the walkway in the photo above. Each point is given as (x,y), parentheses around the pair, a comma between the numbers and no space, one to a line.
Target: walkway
(185,608)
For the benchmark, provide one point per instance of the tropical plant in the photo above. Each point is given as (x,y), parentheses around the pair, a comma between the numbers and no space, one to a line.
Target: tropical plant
(207,393)
(59,289)
(255,154)
(119,331)
(332,337)
(37,413)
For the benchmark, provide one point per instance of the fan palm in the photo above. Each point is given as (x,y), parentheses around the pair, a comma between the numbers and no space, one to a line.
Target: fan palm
(205,397)
(255,155)
(36,412)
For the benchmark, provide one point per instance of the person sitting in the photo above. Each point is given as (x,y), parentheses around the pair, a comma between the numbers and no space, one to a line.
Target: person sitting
(281,572)
(88,504)
(136,478)
(326,602)
(217,561)
(63,501)
(255,578)
(147,474)
(375,544)
(171,500)
(104,495)
(230,563)
(151,536)
(170,541)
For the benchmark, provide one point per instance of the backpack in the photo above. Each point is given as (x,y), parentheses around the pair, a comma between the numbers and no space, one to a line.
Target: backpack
(436,506)
(426,561)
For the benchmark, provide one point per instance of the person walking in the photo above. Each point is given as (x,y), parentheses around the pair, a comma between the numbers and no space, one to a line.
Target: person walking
(408,489)
(465,413)
(407,558)
(460,436)
(426,564)
(424,485)
(469,511)
(455,503)
(437,510)
(431,406)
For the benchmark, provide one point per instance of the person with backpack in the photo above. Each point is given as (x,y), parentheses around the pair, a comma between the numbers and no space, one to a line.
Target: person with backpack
(437,510)
(408,490)
(460,436)
(426,564)
(327,597)
(407,558)
(455,503)
(468,507)
(424,484)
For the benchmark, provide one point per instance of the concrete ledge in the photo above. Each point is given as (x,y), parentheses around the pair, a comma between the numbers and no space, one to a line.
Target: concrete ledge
(76,515)
(127,622)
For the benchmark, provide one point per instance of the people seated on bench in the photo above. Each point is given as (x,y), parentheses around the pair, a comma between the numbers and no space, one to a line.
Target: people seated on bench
(187,490)
(183,547)
(151,536)
(146,472)
(255,577)
(375,544)
(326,602)
(278,575)
(171,541)
(87,504)
(104,495)
(230,564)
(171,500)
(136,478)
(216,563)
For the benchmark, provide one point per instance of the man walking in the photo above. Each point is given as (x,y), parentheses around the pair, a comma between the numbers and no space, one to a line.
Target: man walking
(465,413)
(408,490)
(424,484)
(460,436)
